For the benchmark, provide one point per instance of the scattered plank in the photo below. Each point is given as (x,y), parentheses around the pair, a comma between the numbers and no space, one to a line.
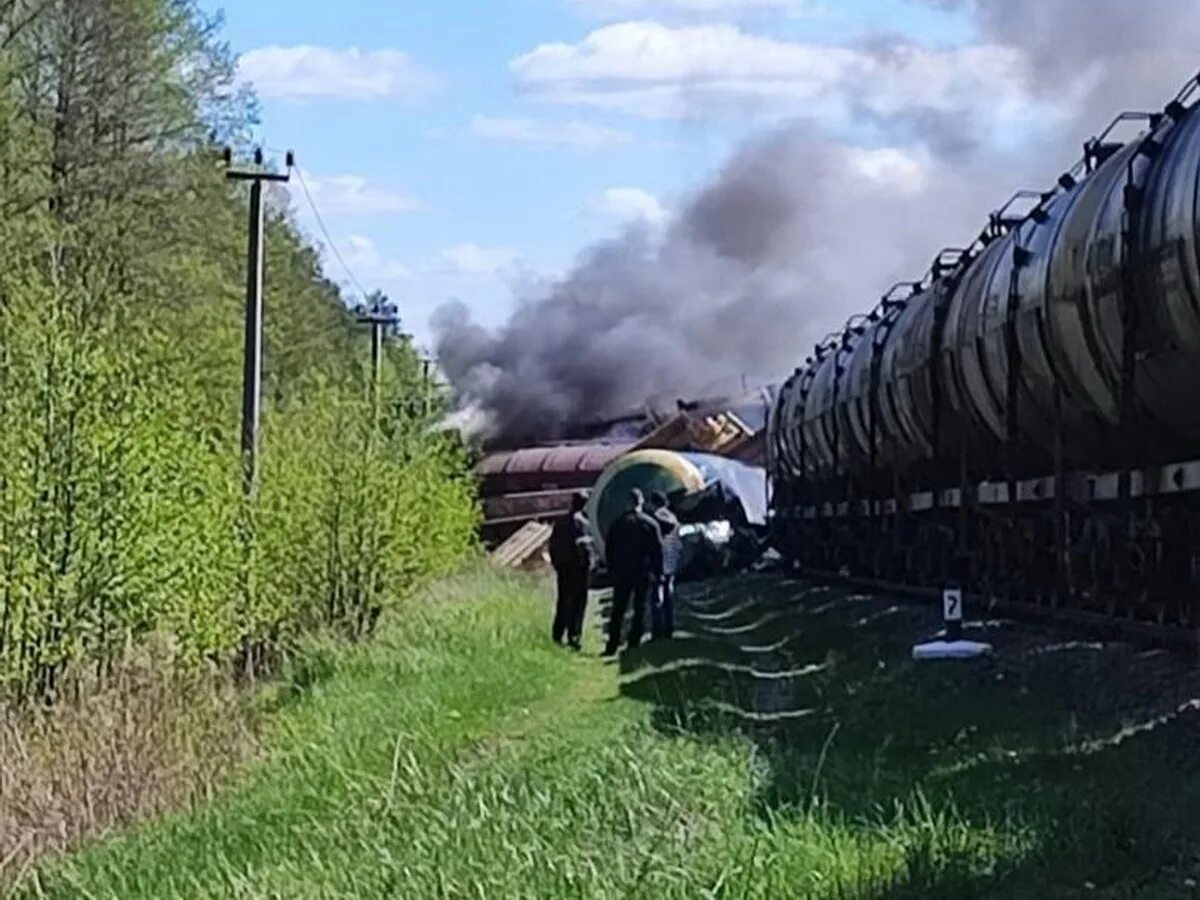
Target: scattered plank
(523,545)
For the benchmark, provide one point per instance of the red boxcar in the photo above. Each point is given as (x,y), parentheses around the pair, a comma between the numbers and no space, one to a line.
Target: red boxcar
(536,483)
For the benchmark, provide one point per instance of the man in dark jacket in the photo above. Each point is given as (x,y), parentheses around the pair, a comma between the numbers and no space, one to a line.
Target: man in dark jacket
(571,556)
(662,609)
(634,550)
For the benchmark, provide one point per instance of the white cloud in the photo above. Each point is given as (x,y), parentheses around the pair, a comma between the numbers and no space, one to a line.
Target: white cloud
(892,166)
(475,261)
(632,205)
(308,71)
(532,131)
(370,264)
(659,71)
(355,195)
(626,7)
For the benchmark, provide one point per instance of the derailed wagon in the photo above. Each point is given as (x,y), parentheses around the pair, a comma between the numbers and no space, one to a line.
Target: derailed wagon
(721,504)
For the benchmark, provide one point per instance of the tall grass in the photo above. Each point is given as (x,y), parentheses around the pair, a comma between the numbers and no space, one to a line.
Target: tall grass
(153,737)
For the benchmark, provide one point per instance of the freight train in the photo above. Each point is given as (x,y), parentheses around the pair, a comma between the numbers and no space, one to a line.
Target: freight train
(1024,421)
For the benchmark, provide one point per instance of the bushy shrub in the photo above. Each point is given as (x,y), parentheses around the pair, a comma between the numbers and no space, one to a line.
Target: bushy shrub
(121,505)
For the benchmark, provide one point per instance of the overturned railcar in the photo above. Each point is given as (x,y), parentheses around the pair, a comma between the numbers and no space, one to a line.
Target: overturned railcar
(536,483)
(1024,420)
(700,487)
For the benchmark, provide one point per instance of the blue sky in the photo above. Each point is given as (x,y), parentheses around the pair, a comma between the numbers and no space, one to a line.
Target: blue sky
(455,147)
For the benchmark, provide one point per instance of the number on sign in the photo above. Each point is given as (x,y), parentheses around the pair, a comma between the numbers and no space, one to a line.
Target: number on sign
(952,605)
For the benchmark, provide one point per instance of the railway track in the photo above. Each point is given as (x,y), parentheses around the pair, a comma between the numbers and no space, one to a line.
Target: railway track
(1085,623)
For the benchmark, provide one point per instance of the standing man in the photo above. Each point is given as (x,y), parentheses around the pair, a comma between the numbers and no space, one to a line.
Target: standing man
(662,610)
(634,550)
(571,556)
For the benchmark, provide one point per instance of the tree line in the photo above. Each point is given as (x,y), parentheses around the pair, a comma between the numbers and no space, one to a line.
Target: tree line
(121,308)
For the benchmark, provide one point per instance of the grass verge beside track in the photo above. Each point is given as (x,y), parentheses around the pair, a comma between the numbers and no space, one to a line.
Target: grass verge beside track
(783,746)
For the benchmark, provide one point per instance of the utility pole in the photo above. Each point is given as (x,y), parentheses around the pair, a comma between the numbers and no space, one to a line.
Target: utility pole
(252,354)
(426,399)
(381,314)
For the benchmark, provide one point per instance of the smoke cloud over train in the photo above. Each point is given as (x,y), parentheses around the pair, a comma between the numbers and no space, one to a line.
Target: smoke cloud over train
(800,229)
(753,269)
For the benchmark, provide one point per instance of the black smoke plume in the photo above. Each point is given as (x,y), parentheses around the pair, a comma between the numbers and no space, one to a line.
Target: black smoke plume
(798,231)
(792,236)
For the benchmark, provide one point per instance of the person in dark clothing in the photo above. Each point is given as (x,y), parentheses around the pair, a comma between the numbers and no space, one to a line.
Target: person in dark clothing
(634,551)
(662,609)
(571,556)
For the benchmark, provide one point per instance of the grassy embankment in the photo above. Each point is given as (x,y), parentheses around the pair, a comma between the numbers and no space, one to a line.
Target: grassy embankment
(784,746)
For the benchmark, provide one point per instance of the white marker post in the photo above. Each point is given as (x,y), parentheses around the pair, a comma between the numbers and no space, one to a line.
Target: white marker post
(952,646)
(952,613)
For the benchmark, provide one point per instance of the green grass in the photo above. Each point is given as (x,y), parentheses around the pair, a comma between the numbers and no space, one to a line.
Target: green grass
(463,756)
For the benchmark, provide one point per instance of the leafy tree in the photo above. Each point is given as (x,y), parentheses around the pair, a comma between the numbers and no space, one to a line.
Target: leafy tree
(121,510)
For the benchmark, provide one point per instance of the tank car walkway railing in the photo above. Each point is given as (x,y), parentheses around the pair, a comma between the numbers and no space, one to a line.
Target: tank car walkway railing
(1116,548)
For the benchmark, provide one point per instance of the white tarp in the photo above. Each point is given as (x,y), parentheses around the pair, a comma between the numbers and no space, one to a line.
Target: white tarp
(951,650)
(716,533)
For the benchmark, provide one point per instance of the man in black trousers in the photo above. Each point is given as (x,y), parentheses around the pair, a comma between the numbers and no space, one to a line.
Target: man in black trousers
(571,556)
(634,550)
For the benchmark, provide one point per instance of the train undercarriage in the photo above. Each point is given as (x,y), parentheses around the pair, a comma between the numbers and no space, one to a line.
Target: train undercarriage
(1073,544)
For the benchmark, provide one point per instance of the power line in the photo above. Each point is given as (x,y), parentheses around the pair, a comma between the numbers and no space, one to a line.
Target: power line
(329,239)
(318,339)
